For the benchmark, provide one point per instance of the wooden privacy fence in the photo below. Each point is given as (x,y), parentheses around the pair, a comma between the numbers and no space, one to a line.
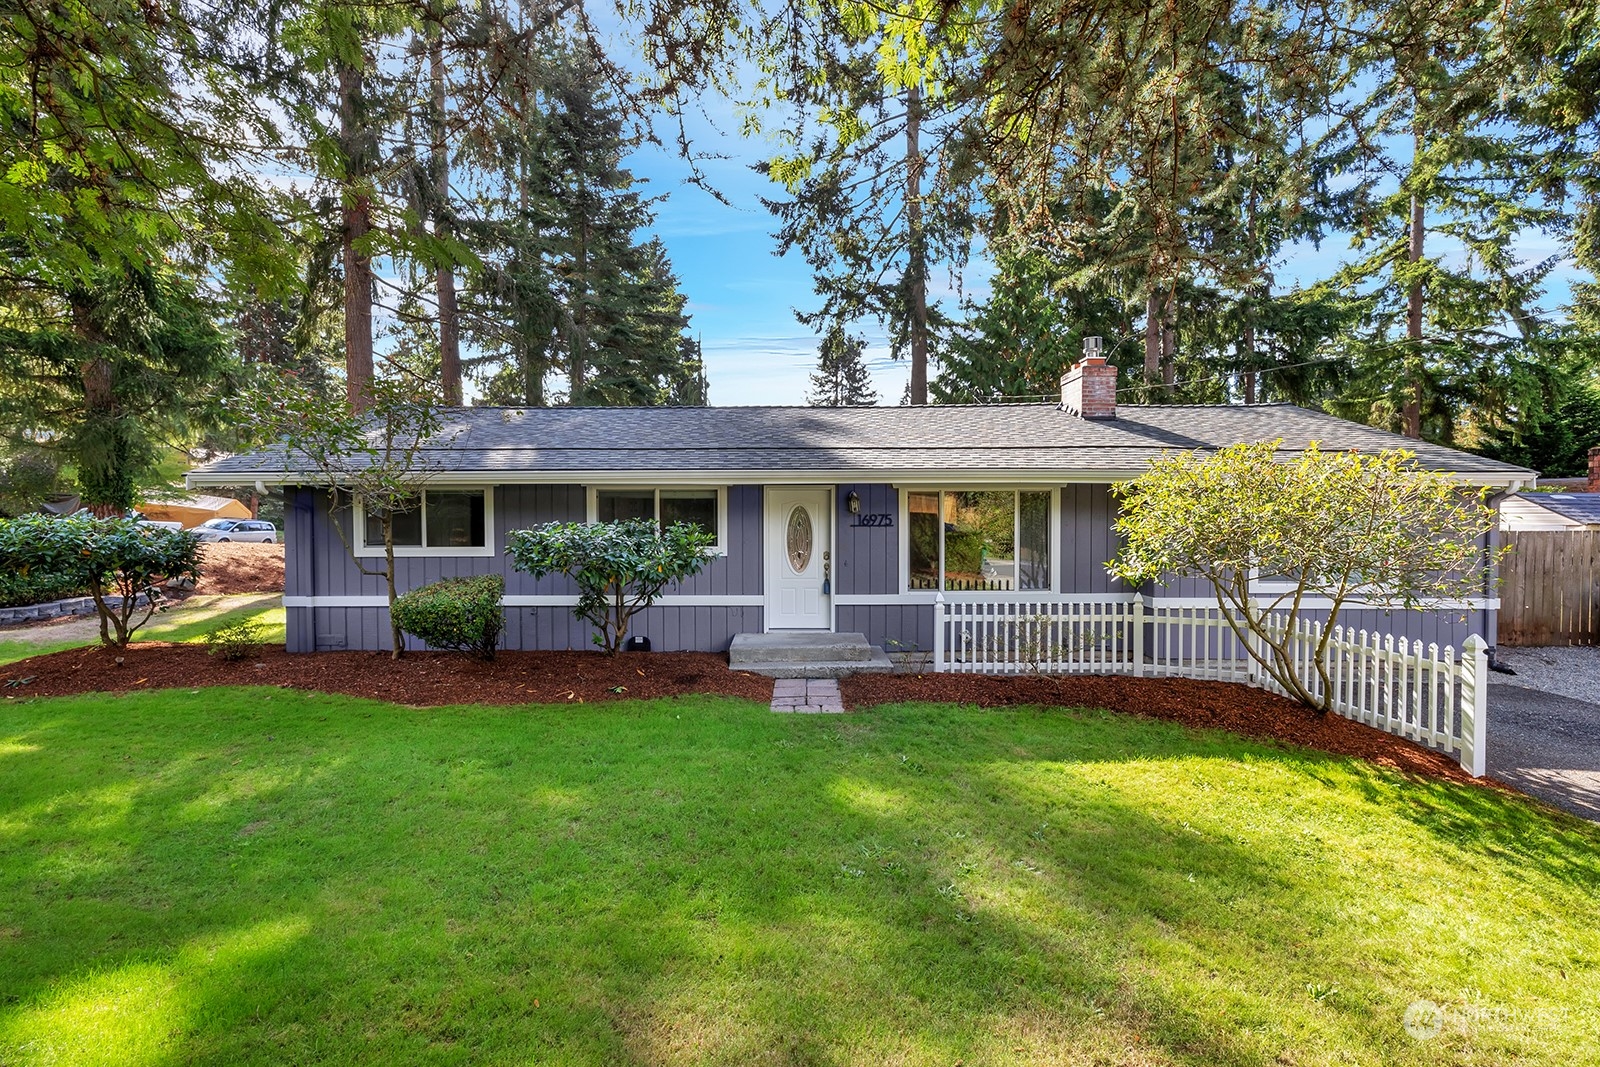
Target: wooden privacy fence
(1550,588)
(1436,697)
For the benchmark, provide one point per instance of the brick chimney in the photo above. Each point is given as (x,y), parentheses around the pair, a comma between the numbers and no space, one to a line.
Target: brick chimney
(1594,469)
(1089,389)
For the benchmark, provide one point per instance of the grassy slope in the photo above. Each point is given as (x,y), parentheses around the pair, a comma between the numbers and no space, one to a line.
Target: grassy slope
(238,876)
(181,622)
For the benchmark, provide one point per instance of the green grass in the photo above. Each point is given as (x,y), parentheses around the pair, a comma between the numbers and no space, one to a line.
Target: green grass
(183,622)
(262,877)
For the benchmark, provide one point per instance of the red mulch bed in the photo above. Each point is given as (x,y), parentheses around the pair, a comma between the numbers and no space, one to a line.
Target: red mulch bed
(419,679)
(1202,705)
(436,679)
(240,568)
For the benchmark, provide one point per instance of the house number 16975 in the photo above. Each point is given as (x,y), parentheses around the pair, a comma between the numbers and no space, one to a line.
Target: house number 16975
(883,518)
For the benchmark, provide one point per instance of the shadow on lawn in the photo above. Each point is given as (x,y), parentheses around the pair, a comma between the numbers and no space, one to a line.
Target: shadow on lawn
(684,881)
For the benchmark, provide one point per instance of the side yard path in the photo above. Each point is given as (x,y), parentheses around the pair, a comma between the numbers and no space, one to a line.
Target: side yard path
(1544,726)
(185,620)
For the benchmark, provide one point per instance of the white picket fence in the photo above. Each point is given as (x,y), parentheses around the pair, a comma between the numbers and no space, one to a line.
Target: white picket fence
(1436,697)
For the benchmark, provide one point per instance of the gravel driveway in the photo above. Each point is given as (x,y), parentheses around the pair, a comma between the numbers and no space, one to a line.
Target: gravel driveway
(1544,726)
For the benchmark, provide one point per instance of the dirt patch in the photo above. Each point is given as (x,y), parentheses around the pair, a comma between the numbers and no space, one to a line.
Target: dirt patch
(240,568)
(1203,705)
(420,679)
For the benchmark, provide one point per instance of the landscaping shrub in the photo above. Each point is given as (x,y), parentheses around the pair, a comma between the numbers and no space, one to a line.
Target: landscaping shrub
(619,567)
(38,587)
(235,641)
(459,614)
(115,558)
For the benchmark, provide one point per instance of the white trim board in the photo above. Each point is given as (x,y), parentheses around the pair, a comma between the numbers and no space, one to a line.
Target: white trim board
(553,600)
(979,478)
(921,598)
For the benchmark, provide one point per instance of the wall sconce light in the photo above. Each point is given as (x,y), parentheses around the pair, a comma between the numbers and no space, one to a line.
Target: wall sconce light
(853,501)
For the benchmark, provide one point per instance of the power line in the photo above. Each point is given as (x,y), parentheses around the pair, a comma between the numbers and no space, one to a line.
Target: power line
(1176,382)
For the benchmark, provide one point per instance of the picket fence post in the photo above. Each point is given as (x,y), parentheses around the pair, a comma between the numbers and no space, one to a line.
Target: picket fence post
(938,633)
(1138,635)
(1474,706)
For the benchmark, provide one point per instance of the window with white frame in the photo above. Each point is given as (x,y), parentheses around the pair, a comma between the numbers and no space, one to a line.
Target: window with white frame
(978,540)
(705,508)
(438,522)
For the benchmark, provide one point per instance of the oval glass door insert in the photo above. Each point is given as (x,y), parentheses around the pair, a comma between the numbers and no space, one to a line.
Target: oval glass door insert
(799,538)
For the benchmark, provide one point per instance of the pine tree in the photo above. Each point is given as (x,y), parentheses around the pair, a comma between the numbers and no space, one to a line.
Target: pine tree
(116,204)
(1448,346)
(1017,343)
(864,205)
(841,379)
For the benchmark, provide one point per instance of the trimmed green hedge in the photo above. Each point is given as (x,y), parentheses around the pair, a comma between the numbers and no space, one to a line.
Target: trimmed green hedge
(38,587)
(459,614)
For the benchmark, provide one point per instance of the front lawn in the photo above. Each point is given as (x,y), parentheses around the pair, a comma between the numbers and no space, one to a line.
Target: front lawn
(237,876)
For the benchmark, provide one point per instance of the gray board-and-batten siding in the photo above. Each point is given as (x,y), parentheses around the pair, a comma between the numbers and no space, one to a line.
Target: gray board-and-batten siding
(867,565)
(317,564)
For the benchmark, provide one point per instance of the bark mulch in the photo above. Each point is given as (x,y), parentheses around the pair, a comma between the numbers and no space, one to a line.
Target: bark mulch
(436,679)
(419,679)
(1202,705)
(240,568)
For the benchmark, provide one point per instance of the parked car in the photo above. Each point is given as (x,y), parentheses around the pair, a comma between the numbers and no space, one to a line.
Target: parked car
(237,530)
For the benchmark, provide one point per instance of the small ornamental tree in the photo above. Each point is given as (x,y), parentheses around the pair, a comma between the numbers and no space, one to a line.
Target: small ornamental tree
(1334,525)
(620,567)
(377,457)
(109,557)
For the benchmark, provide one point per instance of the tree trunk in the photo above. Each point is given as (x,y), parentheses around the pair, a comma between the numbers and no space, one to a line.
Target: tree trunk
(1169,340)
(356,206)
(1152,339)
(1412,414)
(917,259)
(397,637)
(577,366)
(99,408)
(449,322)
(1249,354)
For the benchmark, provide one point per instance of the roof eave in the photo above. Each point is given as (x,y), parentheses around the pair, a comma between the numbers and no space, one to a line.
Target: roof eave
(1511,480)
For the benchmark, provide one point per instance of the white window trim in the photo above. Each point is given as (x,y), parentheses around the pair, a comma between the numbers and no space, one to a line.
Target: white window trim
(592,512)
(904,521)
(366,551)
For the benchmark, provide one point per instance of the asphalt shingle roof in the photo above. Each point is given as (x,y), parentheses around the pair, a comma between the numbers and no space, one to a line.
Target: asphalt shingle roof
(998,437)
(1579,507)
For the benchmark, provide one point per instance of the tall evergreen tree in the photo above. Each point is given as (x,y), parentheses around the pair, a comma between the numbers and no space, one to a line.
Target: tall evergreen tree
(1019,341)
(841,379)
(117,196)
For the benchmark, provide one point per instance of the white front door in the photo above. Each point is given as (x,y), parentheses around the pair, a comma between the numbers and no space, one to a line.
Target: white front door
(799,558)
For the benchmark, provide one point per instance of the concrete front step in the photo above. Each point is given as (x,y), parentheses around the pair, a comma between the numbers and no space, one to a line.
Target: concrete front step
(799,646)
(835,669)
(806,654)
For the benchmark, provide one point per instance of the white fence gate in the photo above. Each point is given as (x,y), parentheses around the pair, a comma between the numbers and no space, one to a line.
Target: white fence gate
(1436,697)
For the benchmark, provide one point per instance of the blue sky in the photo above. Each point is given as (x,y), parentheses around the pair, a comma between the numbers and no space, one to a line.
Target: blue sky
(742,294)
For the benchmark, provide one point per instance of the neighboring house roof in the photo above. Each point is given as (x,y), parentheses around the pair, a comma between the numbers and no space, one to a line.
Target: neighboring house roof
(195,510)
(537,444)
(1550,511)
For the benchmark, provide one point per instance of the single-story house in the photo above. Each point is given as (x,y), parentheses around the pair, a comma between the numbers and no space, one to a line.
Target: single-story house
(828,519)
